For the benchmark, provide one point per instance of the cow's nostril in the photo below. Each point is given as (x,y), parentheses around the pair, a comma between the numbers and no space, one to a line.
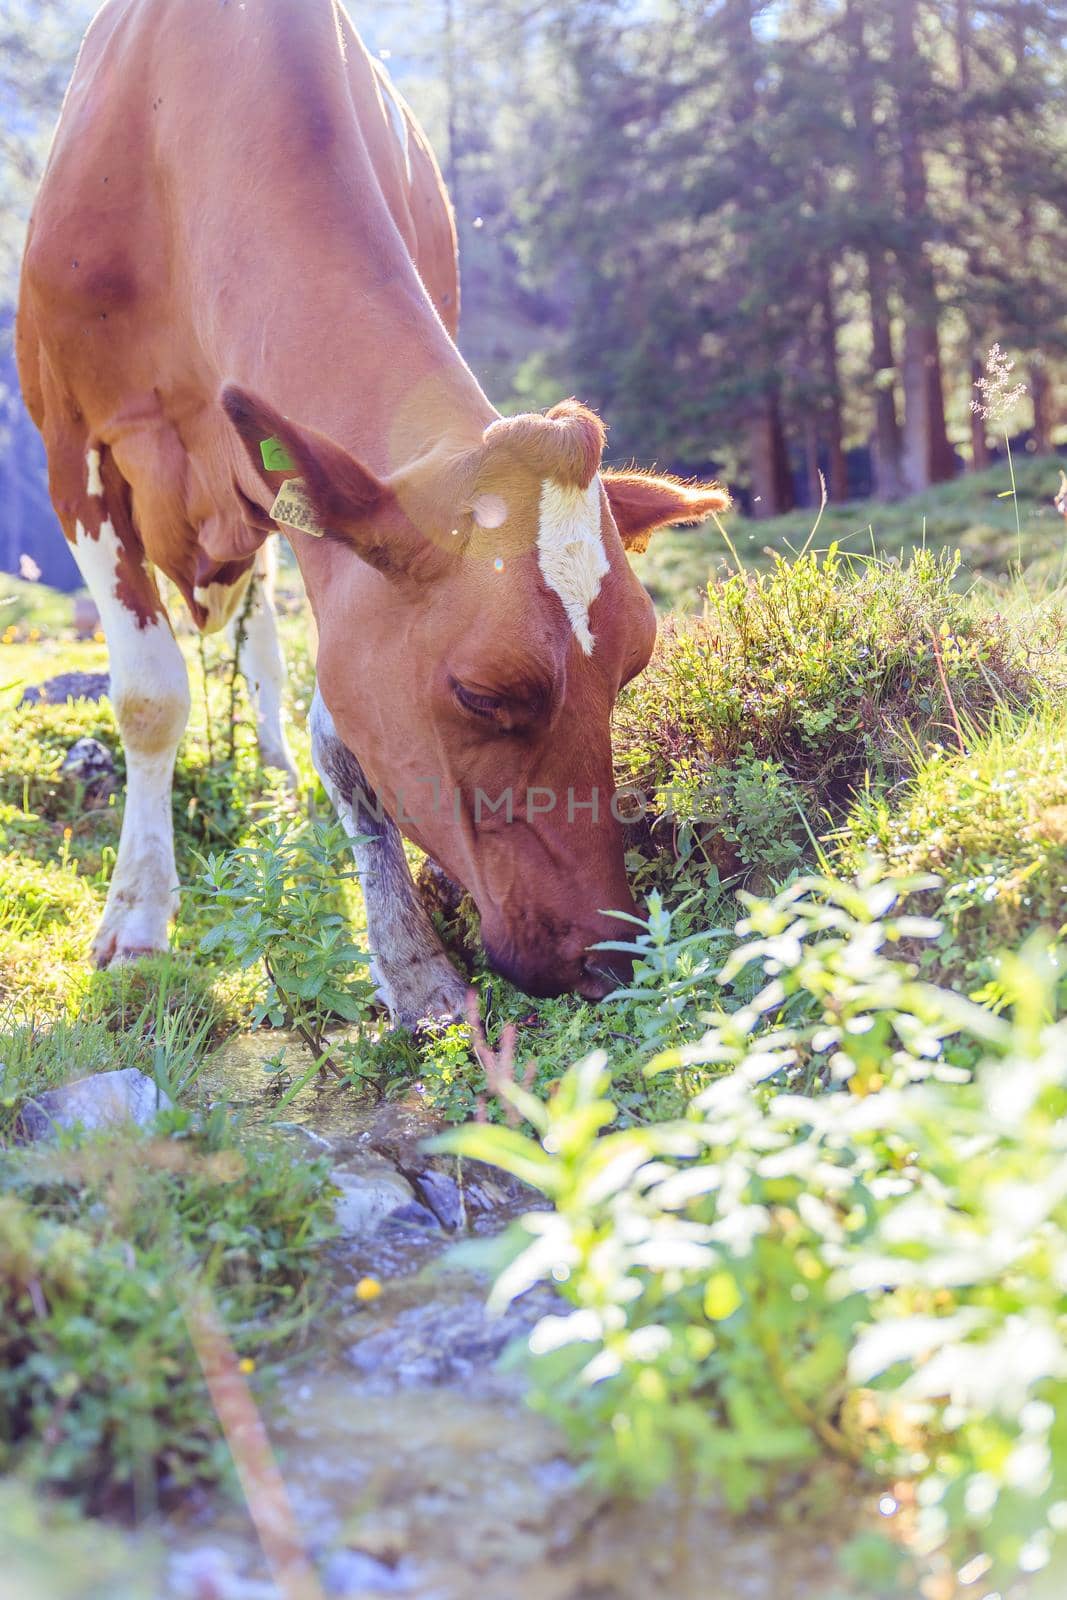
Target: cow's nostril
(597,979)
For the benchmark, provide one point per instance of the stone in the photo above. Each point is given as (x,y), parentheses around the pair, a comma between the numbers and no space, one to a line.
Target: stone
(67,686)
(353,1572)
(89,763)
(367,1198)
(105,1100)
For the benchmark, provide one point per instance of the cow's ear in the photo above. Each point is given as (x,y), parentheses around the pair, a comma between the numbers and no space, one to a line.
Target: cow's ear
(349,502)
(641,502)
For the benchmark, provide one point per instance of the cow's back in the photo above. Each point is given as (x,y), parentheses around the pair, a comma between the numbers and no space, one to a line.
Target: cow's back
(213,198)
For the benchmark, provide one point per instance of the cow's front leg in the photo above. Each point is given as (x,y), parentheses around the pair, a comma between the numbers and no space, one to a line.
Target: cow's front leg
(414,975)
(254,629)
(150,695)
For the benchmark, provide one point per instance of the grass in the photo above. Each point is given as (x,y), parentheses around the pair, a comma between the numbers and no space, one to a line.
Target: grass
(813,711)
(991,823)
(975,514)
(756,724)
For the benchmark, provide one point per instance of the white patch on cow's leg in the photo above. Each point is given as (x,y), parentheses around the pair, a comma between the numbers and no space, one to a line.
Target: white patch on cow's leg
(570,551)
(254,630)
(95,484)
(415,978)
(150,694)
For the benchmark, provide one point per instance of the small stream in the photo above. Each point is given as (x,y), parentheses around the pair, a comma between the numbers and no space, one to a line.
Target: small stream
(411,1465)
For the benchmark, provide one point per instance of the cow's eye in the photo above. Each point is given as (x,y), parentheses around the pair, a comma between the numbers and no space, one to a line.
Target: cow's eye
(479,705)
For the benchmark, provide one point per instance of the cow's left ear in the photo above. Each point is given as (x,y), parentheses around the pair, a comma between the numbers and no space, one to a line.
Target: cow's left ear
(641,502)
(349,501)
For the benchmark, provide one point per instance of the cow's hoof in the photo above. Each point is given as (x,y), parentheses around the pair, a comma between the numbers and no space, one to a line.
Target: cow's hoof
(117,944)
(430,994)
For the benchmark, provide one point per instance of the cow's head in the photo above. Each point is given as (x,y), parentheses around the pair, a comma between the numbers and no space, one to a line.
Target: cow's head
(477,618)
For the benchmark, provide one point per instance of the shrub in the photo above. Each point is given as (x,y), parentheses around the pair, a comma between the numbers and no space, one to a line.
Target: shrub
(103,1247)
(992,825)
(756,722)
(875,1272)
(50,1553)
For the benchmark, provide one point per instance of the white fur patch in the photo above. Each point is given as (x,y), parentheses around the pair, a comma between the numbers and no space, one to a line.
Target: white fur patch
(220,601)
(263,664)
(571,552)
(150,693)
(95,485)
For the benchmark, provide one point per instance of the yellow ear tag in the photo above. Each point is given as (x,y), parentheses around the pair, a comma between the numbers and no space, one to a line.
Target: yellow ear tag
(294,509)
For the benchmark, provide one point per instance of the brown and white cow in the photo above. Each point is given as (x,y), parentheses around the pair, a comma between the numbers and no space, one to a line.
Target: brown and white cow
(242,234)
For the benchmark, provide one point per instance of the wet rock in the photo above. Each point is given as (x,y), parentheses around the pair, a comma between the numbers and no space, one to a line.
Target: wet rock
(105,1100)
(207,1573)
(353,1572)
(67,686)
(446,1343)
(367,1198)
(441,1194)
(91,764)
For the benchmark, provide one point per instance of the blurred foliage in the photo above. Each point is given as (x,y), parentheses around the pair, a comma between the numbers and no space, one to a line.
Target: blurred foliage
(875,1271)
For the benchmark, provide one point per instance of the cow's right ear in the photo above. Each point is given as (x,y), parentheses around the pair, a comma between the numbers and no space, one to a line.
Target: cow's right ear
(350,503)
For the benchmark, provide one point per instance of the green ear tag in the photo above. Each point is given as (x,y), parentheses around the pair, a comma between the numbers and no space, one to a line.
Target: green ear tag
(276,457)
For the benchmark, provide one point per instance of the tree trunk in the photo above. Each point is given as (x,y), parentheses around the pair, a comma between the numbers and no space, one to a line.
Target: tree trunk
(980,456)
(811,456)
(1041,400)
(927,455)
(768,458)
(885,444)
(1040,386)
(971,186)
(838,470)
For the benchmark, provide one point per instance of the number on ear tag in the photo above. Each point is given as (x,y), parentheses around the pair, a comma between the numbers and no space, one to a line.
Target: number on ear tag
(294,509)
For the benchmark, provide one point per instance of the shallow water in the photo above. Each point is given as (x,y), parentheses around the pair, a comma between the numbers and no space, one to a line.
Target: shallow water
(410,1464)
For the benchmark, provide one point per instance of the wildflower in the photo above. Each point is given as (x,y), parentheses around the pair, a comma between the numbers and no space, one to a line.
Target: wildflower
(998,394)
(98,636)
(367,1289)
(246,1365)
(28,568)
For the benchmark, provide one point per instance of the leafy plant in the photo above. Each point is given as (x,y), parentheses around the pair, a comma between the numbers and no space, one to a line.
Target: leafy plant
(734,1281)
(275,893)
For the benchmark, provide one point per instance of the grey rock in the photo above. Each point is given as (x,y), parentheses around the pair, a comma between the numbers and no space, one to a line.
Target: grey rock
(67,686)
(89,762)
(353,1572)
(451,1342)
(105,1100)
(208,1573)
(367,1198)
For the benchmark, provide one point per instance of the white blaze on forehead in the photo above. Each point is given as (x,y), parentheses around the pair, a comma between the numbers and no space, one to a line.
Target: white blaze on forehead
(95,484)
(571,552)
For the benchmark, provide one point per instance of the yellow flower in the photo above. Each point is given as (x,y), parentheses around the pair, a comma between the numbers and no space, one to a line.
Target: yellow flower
(67,832)
(367,1289)
(98,636)
(35,634)
(246,1365)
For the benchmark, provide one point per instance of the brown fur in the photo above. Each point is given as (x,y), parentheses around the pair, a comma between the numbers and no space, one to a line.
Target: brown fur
(250,257)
